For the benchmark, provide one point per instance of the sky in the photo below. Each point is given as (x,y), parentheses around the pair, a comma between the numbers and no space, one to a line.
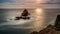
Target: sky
(4,1)
(29,3)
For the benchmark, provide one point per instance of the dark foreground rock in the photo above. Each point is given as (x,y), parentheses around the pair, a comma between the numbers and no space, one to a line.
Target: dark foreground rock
(34,32)
(50,29)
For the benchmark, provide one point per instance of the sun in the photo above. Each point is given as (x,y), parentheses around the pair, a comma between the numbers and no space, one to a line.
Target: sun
(38,10)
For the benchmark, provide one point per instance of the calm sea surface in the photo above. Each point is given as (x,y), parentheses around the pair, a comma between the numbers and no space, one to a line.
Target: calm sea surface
(7,26)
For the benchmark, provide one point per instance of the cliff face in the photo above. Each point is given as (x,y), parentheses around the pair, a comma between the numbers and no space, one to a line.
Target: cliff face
(48,30)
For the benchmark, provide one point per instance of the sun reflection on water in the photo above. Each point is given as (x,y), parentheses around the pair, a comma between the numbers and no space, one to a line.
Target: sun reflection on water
(39,19)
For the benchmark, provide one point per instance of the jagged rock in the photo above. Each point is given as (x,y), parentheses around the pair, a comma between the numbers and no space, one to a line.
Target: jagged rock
(49,30)
(34,32)
(25,13)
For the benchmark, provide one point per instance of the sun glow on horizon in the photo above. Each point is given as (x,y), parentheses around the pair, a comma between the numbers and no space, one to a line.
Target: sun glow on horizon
(39,11)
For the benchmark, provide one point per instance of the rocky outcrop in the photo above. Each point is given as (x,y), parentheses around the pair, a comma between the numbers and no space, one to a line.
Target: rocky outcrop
(34,32)
(50,29)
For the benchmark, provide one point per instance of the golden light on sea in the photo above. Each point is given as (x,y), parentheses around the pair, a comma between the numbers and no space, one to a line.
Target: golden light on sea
(39,19)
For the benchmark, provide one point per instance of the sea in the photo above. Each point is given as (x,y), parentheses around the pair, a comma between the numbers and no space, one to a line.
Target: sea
(39,17)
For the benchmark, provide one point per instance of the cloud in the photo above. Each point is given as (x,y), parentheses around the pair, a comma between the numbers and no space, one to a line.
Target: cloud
(29,4)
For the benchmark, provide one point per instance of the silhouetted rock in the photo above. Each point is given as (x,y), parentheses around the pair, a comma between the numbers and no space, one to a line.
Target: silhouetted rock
(57,23)
(18,18)
(34,32)
(26,18)
(48,30)
(24,15)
